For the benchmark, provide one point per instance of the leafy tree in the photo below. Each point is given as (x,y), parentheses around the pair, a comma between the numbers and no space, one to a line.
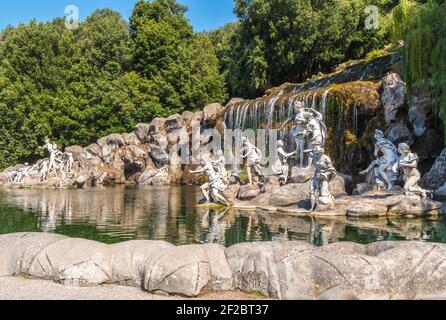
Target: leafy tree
(289,40)
(181,65)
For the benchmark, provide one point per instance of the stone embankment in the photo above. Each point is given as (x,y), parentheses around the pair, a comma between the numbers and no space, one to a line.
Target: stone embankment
(279,270)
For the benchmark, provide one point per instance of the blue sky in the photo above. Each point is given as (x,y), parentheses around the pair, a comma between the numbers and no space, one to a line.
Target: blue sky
(203,14)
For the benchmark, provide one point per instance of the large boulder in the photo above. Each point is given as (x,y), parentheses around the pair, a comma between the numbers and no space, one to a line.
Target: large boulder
(301,175)
(211,113)
(131,139)
(399,134)
(188,270)
(156,126)
(142,132)
(393,96)
(234,101)
(77,152)
(419,110)
(128,260)
(436,177)
(109,145)
(159,156)
(174,122)
(293,271)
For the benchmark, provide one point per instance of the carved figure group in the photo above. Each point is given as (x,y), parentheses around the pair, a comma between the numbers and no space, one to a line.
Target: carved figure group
(57,163)
(324,173)
(309,132)
(213,188)
(386,155)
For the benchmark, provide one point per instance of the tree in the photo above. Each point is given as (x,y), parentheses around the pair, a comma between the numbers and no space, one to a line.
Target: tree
(289,40)
(182,65)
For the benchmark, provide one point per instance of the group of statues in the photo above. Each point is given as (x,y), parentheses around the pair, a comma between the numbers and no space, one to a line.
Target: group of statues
(310,135)
(58,164)
(390,162)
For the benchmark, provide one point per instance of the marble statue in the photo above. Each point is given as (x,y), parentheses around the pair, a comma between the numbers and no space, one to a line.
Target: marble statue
(324,173)
(253,159)
(386,155)
(215,185)
(220,166)
(54,153)
(309,131)
(43,171)
(281,167)
(408,163)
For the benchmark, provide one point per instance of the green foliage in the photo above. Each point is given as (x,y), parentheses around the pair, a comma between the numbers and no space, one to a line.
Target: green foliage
(279,41)
(75,86)
(181,64)
(423,29)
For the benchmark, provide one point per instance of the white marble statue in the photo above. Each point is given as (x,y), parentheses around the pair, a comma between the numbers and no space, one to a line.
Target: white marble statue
(324,173)
(309,131)
(281,167)
(408,163)
(253,157)
(215,185)
(54,162)
(386,155)
(220,166)
(43,171)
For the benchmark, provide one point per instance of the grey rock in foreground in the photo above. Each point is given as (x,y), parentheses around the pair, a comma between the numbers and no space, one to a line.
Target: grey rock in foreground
(281,270)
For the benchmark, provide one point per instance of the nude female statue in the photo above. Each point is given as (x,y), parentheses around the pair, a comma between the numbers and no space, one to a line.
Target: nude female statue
(253,156)
(408,163)
(386,157)
(281,167)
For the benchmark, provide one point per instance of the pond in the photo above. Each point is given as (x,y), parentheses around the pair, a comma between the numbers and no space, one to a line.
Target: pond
(117,214)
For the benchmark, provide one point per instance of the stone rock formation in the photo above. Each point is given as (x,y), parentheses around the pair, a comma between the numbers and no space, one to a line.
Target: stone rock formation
(278,269)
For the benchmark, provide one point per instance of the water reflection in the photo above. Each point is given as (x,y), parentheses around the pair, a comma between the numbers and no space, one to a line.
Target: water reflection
(118,214)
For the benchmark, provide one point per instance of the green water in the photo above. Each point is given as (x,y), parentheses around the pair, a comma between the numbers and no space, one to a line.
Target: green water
(117,214)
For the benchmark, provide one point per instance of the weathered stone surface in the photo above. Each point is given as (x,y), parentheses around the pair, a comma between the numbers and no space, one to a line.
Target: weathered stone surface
(440,193)
(413,206)
(187,116)
(436,177)
(17,251)
(128,260)
(393,96)
(248,192)
(157,126)
(301,175)
(159,156)
(76,151)
(366,210)
(341,271)
(234,101)
(254,265)
(399,134)
(188,269)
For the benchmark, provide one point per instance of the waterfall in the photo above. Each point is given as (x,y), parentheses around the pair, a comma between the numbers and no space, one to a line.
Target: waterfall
(323,105)
(270,111)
